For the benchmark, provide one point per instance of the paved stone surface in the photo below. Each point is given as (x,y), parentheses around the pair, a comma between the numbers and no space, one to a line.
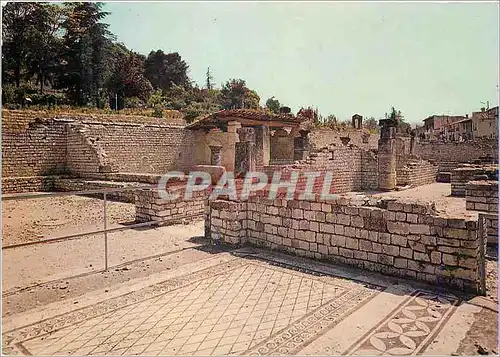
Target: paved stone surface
(247,305)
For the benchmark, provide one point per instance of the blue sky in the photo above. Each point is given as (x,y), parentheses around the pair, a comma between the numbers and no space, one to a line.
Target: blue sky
(344,58)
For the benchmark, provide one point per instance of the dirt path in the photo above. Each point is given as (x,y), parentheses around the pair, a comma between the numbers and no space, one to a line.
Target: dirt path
(35,219)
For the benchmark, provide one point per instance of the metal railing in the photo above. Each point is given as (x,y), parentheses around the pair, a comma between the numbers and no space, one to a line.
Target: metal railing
(105,230)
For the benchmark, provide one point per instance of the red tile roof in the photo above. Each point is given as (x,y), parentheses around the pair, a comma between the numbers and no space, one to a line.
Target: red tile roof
(251,114)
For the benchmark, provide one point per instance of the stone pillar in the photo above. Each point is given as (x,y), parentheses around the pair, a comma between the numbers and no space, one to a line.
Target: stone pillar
(301,146)
(357,121)
(244,159)
(215,155)
(413,134)
(387,155)
(262,146)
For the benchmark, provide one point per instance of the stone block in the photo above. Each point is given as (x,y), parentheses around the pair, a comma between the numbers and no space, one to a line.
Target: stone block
(400,216)
(297,214)
(326,227)
(436,257)
(373,236)
(333,250)
(337,240)
(350,231)
(398,228)
(411,218)
(417,246)
(419,229)
(456,233)
(421,256)
(372,257)
(331,218)
(406,253)
(357,221)
(384,238)
(344,219)
(347,253)
(428,240)
(448,241)
(385,259)
(400,263)
(339,229)
(449,259)
(398,240)
(320,217)
(360,255)
(390,250)
(365,245)
(352,243)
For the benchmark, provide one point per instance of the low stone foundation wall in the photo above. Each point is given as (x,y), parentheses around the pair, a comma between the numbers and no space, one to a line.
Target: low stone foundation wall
(392,237)
(417,173)
(28,184)
(149,206)
(461,176)
(483,196)
(68,185)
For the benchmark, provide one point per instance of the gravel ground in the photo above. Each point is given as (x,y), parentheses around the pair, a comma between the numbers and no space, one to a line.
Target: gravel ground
(34,219)
(31,265)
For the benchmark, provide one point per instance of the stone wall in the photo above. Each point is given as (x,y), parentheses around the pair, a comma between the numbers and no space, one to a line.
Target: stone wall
(40,144)
(28,184)
(463,152)
(73,185)
(392,237)
(346,164)
(321,138)
(281,147)
(84,154)
(415,172)
(215,137)
(149,206)
(483,196)
(135,148)
(369,170)
(32,145)
(461,176)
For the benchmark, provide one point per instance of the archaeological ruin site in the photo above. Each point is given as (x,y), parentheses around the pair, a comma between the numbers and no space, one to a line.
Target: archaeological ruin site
(96,262)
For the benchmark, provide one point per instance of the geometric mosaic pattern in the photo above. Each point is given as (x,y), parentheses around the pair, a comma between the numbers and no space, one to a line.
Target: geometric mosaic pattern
(240,307)
(410,328)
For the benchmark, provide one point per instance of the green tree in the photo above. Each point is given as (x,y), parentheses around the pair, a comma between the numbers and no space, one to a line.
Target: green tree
(273,105)
(18,27)
(127,79)
(45,48)
(164,70)
(88,47)
(157,101)
(235,95)
(210,79)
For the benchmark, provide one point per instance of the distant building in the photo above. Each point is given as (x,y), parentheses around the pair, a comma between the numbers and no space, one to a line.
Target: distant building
(435,124)
(485,123)
(459,130)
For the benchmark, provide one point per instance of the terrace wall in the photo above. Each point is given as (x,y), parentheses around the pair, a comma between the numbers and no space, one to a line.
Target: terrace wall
(445,153)
(396,238)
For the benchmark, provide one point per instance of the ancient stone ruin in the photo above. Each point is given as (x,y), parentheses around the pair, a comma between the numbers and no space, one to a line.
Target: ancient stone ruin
(403,237)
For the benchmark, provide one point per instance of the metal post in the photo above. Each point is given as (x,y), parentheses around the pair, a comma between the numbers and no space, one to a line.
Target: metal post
(105,235)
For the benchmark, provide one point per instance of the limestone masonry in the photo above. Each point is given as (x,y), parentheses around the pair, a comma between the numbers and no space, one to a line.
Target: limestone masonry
(78,152)
(396,238)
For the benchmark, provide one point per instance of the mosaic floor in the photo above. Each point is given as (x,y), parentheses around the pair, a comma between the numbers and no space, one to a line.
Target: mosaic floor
(239,307)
